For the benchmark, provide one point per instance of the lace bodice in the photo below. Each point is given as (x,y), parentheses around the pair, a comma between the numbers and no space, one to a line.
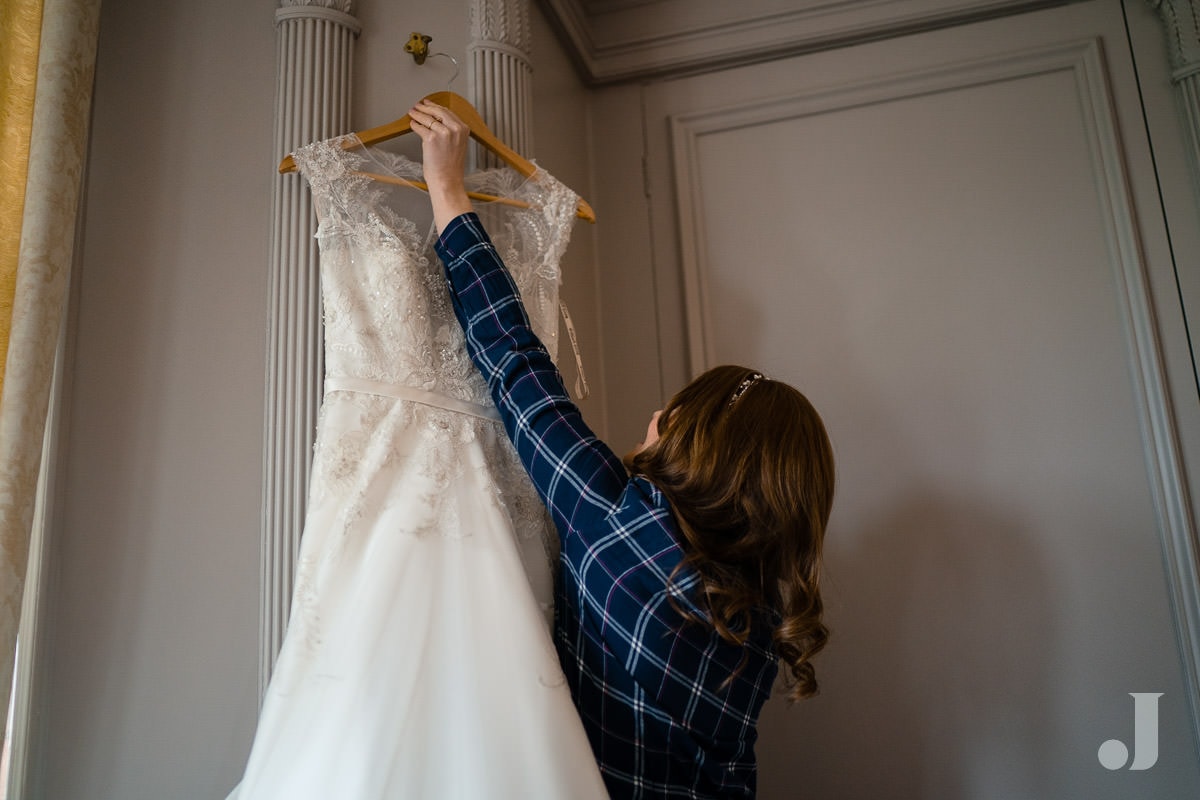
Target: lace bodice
(387,312)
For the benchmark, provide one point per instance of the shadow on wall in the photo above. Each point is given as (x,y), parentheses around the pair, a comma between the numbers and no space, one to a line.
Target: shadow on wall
(934,683)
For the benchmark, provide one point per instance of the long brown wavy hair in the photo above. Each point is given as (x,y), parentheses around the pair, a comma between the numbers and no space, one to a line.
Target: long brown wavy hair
(747,467)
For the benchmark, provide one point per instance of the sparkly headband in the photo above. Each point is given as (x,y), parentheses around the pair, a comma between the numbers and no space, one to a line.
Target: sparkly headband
(750,380)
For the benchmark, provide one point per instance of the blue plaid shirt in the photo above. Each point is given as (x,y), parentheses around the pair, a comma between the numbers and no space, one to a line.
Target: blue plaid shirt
(648,685)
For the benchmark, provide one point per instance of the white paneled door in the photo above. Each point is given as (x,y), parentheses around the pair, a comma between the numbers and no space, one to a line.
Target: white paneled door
(952,243)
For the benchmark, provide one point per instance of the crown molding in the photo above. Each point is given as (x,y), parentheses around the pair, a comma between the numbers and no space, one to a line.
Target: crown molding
(612,42)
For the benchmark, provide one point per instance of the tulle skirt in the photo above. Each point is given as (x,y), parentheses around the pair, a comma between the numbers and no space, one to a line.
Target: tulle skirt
(418,661)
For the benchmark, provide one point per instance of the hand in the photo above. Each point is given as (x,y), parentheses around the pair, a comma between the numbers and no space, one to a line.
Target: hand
(444,140)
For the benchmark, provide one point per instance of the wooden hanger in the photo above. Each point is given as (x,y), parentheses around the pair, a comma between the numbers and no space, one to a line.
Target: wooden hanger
(479,132)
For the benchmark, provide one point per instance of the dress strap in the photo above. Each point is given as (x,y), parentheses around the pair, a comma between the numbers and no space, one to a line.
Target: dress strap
(346,383)
(581,384)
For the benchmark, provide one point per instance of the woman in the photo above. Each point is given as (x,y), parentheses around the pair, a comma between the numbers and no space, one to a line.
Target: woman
(682,582)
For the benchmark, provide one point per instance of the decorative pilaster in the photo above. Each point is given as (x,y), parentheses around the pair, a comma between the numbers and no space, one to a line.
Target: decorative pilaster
(315,50)
(500,73)
(1182,21)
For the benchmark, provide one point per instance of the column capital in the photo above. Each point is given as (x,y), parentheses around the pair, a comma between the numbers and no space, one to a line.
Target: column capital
(502,21)
(344,6)
(339,11)
(1182,21)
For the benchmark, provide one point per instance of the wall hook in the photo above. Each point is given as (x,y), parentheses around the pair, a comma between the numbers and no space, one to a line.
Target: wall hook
(418,45)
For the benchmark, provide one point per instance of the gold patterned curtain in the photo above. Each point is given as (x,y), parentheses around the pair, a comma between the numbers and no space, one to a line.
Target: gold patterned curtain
(20,33)
(47,60)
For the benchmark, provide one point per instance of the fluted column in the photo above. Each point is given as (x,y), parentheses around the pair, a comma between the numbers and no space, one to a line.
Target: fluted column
(500,73)
(315,49)
(1182,21)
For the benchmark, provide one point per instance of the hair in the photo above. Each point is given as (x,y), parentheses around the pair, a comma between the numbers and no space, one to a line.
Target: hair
(747,467)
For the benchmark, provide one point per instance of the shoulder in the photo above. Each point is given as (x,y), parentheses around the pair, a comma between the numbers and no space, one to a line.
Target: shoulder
(328,160)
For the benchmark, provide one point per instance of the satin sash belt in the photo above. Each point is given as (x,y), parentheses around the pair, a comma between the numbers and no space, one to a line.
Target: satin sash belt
(365,386)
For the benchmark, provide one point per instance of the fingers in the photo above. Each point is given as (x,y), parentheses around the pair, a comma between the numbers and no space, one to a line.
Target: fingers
(421,121)
(427,116)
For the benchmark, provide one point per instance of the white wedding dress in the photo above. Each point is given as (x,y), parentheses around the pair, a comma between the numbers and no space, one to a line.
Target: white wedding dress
(418,661)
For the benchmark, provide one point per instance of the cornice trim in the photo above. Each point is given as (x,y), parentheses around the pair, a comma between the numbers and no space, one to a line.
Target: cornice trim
(757,36)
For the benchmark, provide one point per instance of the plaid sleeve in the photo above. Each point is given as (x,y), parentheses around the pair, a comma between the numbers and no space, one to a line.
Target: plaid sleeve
(577,475)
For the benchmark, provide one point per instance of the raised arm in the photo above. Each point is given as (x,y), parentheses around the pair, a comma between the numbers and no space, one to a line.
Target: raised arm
(578,476)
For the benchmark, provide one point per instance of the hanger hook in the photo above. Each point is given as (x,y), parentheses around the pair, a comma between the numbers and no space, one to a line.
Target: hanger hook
(418,45)
(454,60)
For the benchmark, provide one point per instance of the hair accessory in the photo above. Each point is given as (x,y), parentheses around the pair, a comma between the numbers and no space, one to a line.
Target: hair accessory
(750,380)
